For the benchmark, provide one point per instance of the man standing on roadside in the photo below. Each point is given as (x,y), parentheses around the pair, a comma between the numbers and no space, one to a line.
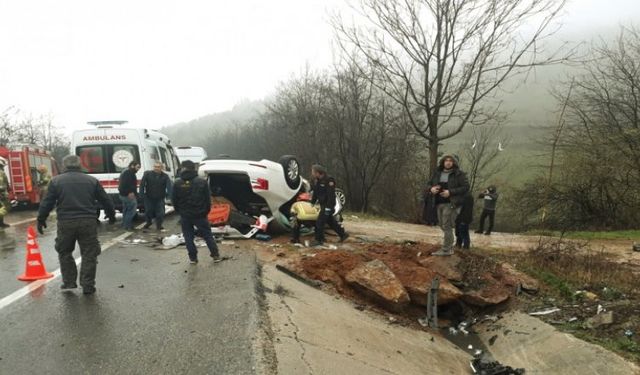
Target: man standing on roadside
(75,195)
(490,197)
(191,198)
(154,187)
(448,185)
(5,205)
(127,188)
(43,181)
(324,193)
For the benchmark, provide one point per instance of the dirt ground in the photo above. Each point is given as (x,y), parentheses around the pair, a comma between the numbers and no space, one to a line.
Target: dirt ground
(400,246)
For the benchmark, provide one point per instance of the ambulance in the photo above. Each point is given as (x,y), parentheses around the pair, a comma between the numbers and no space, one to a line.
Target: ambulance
(107,147)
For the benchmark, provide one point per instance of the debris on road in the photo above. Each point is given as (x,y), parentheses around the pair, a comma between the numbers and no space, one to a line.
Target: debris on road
(547,311)
(481,366)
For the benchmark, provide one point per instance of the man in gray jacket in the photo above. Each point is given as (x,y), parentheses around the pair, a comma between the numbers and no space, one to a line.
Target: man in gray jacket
(76,196)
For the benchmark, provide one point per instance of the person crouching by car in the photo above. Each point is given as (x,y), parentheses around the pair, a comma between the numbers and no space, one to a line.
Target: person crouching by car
(303,213)
(463,221)
(324,193)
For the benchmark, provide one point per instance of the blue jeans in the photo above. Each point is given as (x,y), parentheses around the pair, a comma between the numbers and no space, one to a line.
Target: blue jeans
(462,235)
(129,210)
(154,208)
(203,229)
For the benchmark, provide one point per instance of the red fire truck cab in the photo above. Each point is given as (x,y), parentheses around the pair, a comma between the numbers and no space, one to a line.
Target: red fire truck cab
(21,169)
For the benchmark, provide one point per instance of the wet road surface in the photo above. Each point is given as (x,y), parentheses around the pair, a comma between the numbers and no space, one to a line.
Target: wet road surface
(153,312)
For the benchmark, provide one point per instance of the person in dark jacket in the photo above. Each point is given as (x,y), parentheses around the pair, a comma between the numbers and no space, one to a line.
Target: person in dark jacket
(448,185)
(324,194)
(191,198)
(76,196)
(154,188)
(127,188)
(464,219)
(490,197)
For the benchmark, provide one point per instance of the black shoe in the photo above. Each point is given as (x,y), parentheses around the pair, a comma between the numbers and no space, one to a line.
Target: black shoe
(147,225)
(487,233)
(315,244)
(216,258)
(160,227)
(193,261)
(87,290)
(478,231)
(68,286)
(344,237)
(294,240)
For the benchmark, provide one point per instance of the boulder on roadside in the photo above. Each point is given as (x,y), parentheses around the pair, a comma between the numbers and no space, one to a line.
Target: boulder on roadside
(417,281)
(600,320)
(492,293)
(445,266)
(508,275)
(375,280)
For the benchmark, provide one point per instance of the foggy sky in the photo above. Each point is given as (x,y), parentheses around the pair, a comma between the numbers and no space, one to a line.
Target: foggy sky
(160,62)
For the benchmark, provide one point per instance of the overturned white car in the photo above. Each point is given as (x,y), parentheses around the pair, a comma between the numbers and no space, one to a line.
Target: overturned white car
(244,190)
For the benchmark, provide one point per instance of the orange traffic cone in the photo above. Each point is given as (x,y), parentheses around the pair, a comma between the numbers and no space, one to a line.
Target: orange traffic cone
(35,268)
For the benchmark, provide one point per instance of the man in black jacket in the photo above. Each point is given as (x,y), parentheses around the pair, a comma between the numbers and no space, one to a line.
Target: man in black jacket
(153,189)
(490,197)
(448,185)
(464,219)
(192,201)
(324,193)
(76,194)
(127,188)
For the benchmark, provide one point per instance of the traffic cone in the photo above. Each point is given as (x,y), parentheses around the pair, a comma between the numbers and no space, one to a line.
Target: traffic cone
(35,268)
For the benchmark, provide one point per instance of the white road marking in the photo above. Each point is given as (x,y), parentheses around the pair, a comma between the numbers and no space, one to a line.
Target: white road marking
(11,298)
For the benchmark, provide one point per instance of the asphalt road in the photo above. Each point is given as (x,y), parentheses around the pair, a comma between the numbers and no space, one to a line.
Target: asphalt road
(153,311)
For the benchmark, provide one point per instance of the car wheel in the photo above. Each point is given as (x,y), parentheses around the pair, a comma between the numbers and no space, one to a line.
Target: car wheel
(341,197)
(291,170)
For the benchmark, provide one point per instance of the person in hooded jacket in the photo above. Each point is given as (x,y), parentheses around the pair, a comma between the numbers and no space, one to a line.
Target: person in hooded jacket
(490,197)
(463,221)
(191,199)
(448,185)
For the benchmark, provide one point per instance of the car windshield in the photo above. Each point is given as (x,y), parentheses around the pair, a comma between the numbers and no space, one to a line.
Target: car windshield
(106,158)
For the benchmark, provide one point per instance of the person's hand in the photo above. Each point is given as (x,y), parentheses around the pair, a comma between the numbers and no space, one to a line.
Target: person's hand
(112,219)
(435,189)
(445,194)
(41,225)
(132,196)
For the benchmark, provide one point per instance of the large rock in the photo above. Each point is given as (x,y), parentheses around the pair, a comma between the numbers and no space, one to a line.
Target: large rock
(600,320)
(417,281)
(491,293)
(445,266)
(510,276)
(375,280)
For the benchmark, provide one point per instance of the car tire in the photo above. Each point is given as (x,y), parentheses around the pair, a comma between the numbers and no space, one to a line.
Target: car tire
(291,168)
(341,197)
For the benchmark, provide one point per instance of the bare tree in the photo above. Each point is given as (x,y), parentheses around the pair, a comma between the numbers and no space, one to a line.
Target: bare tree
(443,61)
(370,131)
(481,154)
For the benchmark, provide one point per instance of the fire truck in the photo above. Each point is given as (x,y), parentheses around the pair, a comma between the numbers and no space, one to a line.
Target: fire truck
(21,166)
